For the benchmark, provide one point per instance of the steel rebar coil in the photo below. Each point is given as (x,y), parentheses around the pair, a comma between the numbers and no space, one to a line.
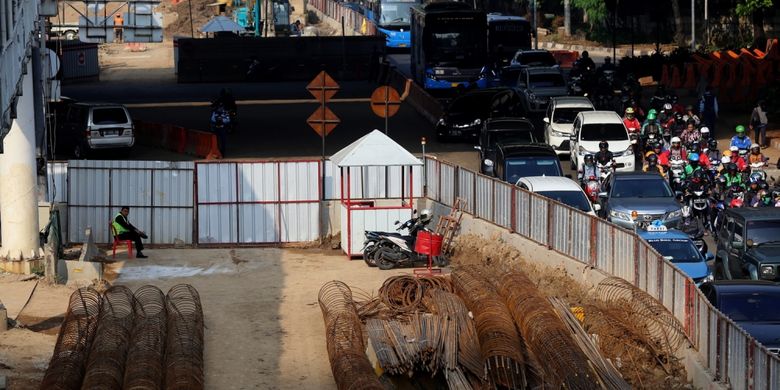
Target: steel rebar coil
(144,365)
(69,360)
(184,347)
(345,339)
(106,365)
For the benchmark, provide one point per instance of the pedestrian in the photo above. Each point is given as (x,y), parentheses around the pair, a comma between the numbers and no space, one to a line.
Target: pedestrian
(758,122)
(118,22)
(296,28)
(126,231)
(708,107)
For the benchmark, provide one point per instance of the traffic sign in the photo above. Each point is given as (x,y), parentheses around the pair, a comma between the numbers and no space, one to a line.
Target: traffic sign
(385,101)
(323,87)
(323,121)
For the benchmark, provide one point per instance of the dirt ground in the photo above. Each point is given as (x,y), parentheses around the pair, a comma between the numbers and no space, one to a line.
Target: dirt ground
(264,328)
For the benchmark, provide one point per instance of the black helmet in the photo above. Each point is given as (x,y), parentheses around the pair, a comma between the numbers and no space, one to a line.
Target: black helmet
(695,148)
(698,175)
(712,143)
(588,159)
(652,159)
(603,145)
(584,54)
(731,167)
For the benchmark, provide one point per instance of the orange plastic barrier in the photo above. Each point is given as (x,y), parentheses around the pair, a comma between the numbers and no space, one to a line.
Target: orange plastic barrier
(177,139)
(690,76)
(565,58)
(665,81)
(676,81)
(202,144)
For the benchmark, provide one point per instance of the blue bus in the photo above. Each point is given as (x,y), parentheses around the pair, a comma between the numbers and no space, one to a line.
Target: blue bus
(391,18)
(449,45)
(507,35)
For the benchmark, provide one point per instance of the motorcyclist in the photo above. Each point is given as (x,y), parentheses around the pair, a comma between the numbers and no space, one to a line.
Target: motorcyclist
(704,130)
(675,151)
(688,224)
(657,147)
(225,99)
(704,161)
(690,134)
(659,98)
(692,166)
(765,199)
(740,140)
(690,114)
(651,164)
(604,156)
(755,155)
(666,115)
(736,158)
(589,169)
(732,176)
(630,121)
(754,183)
(713,154)
(585,63)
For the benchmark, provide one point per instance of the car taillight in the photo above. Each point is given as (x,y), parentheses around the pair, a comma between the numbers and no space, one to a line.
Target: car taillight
(88,133)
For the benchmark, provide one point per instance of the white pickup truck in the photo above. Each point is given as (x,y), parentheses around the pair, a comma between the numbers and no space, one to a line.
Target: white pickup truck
(67,31)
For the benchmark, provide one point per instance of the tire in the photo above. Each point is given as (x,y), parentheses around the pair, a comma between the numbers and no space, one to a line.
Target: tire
(369,255)
(70,35)
(441,261)
(384,262)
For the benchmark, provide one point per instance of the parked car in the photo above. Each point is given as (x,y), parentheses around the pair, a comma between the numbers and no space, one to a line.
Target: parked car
(636,199)
(514,161)
(592,127)
(534,58)
(87,127)
(677,247)
(505,131)
(749,244)
(561,189)
(559,120)
(539,85)
(508,75)
(464,116)
(752,305)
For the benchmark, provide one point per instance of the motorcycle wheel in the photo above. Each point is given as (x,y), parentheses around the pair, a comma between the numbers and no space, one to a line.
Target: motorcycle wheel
(369,255)
(441,261)
(383,262)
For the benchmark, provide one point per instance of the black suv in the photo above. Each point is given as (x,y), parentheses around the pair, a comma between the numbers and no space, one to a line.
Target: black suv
(464,116)
(749,244)
(514,161)
(503,131)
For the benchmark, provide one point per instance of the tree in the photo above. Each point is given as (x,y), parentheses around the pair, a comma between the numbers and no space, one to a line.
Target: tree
(679,37)
(755,10)
(596,10)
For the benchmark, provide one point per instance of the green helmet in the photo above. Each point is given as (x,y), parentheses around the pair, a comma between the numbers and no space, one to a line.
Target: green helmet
(651,115)
(652,111)
(740,129)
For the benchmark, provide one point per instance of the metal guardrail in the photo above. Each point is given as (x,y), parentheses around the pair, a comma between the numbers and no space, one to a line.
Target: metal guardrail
(730,354)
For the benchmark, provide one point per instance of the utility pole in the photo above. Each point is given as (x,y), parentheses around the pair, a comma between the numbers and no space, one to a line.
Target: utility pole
(536,31)
(19,181)
(693,25)
(567,17)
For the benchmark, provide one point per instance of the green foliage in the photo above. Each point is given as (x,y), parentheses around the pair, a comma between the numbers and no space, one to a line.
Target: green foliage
(747,7)
(597,10)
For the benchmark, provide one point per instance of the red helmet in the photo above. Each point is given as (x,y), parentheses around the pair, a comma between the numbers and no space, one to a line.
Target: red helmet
(736,202)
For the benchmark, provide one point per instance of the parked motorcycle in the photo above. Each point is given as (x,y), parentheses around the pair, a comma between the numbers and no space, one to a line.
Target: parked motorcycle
(392,251)
(373,237)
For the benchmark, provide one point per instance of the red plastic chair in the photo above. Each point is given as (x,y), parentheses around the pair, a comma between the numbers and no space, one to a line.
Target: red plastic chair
(118,242)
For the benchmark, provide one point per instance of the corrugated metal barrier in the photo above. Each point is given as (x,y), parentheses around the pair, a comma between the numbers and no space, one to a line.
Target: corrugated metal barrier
(725,349)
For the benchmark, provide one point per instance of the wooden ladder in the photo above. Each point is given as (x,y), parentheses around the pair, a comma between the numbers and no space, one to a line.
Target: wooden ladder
(448,225)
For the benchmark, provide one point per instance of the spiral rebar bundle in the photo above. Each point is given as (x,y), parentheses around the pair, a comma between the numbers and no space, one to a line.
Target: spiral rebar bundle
(144,365)
(404,293)
(106,364)
(658,323)
(461,339)
(68,362)
(184,347)
(545,334)
(344,337)
(503,359)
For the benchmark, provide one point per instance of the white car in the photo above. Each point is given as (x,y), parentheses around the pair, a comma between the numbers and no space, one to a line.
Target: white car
(559,120)
(561,189)
(592,127)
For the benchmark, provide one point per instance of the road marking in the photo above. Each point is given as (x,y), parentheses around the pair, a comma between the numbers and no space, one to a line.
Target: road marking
(246,102)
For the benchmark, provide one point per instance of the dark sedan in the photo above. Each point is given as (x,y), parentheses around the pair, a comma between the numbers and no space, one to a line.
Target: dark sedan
(753,305)
(464,117)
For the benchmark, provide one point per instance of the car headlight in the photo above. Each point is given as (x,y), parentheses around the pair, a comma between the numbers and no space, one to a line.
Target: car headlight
(488,162)
(441,122)
(476,122)
(556,133)
(673,214)
(619,215)
(709,278)
(439,72)
(768,272)
(628,152)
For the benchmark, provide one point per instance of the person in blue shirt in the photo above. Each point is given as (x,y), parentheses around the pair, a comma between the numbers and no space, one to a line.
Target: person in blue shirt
(708,107)
(741,140)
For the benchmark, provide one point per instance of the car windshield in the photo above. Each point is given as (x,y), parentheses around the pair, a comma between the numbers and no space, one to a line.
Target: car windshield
(574,199)
(508,33)
(509,77)
(536,59)
(108,116)
(604,132)
(474,102)
(763,231)
(395,13)
(546,80)
(510,137)
(567,115)
(517,167)
(641,188)
(680,250)
(754,307)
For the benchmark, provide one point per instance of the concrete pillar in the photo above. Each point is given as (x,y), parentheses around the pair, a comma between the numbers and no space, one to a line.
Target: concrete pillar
(18,181)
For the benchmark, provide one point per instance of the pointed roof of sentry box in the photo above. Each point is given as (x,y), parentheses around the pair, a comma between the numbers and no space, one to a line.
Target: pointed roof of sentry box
(374,149)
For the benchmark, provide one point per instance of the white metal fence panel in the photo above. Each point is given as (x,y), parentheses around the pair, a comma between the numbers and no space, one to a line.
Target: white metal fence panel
(522,212)
(561,228)
(759,366)
(466,182)
(623,254)
(503,205)
(668,286)
(432,176)
(447,185)
(539,218)
(217,209)
(774,373)
(737,359)
(484,200)
(300,211)
(604,258)
(581,236)
(57,177)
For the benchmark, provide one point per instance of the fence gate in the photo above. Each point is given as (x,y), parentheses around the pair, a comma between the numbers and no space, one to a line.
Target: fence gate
(159,195)
(250,202)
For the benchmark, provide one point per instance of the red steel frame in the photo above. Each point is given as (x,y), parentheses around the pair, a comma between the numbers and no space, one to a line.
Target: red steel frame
(350,205)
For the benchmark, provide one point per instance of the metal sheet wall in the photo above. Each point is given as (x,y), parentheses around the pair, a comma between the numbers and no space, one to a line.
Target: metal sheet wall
(432,176)
(374,182)
(465,190)
(159,195)
(503,204)
(79,60)
(57,177)
(258,202)
(484,197)
(447,184)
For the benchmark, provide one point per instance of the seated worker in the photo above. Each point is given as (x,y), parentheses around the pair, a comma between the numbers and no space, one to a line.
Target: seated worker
(126,231)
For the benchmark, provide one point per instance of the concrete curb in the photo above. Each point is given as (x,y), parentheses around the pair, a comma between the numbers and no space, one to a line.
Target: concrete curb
(621,52)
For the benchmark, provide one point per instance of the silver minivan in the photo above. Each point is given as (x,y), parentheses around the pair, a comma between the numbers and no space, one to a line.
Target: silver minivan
(87,127)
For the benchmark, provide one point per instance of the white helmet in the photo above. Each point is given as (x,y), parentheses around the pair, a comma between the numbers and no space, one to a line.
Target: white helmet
(733,148)
(667,106)
(426,215)
(676,139)
(754,146)
(725,159)
(686,211)
(704,130)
